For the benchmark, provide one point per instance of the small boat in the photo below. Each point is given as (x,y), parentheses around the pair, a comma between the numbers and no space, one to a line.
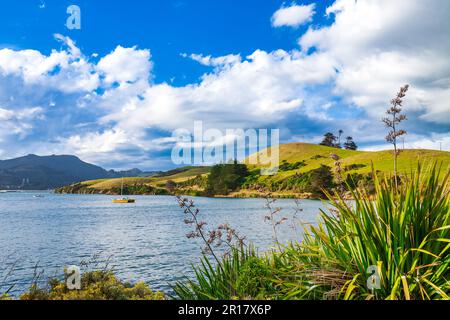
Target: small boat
(123,200)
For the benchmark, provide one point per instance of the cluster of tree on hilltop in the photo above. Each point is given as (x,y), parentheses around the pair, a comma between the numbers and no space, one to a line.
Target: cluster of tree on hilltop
(330,140)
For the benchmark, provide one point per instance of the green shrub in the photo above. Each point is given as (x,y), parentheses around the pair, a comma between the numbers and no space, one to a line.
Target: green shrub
(362,181)
(199,181)
(354,166)
(405,233)
(241,275)
(314,181)
(96,285)
(255,279)
(321,179)
(225,178)
(286,166)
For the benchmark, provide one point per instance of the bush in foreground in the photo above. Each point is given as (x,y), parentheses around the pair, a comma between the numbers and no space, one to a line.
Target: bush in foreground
(96,285)
(241,275)
(403,234)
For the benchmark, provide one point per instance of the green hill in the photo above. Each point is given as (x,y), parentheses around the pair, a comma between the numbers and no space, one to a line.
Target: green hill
(296,159)
(137,185)
(354,161)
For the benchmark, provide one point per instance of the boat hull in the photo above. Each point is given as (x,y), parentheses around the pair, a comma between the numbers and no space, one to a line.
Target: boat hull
(124,201)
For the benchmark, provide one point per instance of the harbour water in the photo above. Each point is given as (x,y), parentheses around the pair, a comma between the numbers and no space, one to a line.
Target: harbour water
(145,241)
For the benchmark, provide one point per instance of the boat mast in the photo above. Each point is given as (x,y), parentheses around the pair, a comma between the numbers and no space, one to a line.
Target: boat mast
(121,189)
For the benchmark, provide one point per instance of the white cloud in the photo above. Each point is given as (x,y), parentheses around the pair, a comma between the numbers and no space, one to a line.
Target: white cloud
(255,92)
(357,65)
(73,49)
(67,71)
(6,114)
(19,122)
(94,142)
(126,65)
(227,60)
(379,45)
(293,16)
(434,141)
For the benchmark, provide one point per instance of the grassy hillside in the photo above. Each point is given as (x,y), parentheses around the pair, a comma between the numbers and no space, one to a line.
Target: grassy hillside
(310,156)
(355,161)
(181,175)
(159,181)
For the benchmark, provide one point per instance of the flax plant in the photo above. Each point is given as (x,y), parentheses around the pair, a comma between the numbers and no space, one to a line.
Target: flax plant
(404,234)
(395,117)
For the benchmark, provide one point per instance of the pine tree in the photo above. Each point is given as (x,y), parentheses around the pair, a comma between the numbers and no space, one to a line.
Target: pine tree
(329,140)
(350,144)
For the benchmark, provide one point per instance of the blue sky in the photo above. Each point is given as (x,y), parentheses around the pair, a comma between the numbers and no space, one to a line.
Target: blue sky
(168,28)
(114,91)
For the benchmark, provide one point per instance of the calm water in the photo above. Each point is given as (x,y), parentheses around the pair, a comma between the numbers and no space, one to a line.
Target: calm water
(146,241)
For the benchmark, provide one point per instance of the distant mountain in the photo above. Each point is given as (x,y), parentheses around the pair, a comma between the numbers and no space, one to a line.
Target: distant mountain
(40,173)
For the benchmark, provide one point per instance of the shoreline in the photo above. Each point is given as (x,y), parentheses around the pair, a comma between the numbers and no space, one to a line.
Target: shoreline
(243,194)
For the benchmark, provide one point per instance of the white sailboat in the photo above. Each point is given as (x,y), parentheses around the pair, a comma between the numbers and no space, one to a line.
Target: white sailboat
(123,199)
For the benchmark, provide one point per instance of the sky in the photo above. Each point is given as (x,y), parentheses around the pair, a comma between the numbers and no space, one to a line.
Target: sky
(114,91)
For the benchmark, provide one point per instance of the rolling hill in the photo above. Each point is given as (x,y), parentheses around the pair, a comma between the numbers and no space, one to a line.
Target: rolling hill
(312,157)
(355,161)
(150,184)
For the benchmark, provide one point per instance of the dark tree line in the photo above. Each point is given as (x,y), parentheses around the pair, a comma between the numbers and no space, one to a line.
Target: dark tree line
(226,178)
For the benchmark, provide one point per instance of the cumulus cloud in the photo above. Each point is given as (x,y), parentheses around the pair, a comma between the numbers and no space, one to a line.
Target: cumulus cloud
(125,65)
(257,91)
(19,122)
(293,16)
(341,76)
(239,93)
(65,70)
(379,45)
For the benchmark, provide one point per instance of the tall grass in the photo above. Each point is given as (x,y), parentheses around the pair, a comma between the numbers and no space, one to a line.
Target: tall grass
(403,234)
(241,275)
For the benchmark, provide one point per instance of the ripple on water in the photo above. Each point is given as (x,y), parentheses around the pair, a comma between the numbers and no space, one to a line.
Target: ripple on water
(145,241)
